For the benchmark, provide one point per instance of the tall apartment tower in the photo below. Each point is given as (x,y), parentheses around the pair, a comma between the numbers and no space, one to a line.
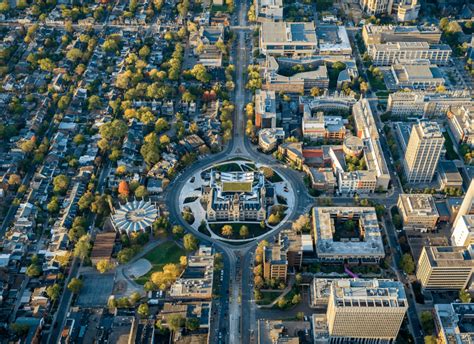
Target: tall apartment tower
(365,311)
(423,151)
(374,7)
(467,205)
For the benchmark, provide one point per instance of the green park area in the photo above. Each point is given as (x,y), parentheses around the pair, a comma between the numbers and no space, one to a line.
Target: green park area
(235,230)
(167,252)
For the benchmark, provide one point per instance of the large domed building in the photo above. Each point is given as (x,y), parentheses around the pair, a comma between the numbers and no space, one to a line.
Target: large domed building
(135,216)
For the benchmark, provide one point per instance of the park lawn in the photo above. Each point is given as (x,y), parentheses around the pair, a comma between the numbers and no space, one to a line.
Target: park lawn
(230,167)
(268,297)
(254,229)
(276,178)
(167,252)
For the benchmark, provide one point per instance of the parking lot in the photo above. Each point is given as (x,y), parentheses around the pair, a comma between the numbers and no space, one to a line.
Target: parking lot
(96,289)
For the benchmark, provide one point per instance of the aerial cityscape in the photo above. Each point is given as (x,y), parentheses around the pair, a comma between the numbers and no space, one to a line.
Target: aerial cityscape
(237,171)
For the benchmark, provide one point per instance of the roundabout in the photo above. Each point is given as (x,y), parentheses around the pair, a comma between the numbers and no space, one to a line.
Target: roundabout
(237,200)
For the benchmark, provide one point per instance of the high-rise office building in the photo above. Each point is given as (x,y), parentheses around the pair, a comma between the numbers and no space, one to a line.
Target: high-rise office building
(423,152)
(365,311)
(445,267)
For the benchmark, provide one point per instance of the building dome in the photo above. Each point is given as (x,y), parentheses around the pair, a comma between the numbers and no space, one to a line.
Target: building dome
(353,146)
(135,216)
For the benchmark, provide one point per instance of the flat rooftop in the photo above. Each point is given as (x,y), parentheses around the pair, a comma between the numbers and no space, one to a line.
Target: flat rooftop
(418,205)
(416,72)
(411,46)
(368,245)
(284,32)
(368,293)
(450,256)
(373,29)
(428,129)
(333,38)
(457,321)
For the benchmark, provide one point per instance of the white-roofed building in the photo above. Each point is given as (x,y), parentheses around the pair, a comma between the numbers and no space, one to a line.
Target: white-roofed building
(135,216)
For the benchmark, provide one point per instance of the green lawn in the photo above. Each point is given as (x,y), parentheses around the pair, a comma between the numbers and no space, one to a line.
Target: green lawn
(268,297)
(167,252)
(276,178)
(230,167)
(254,229)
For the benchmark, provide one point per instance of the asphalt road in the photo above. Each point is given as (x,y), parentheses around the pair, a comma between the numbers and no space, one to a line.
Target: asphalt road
(238,325)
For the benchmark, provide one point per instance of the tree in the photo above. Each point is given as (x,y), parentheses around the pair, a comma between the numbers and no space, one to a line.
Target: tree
(227,230)
(302,224)
(79,139)
(183,261)
(77,230)
(161,125)
(125,255)
(430,340)
(85,201)
(53,205)
(75,285)
(60,183)
(82,247)
(464,296)
(141,191)
(190,242)
(192,324)
(144,52)
(244,231)
(427,323)
(300,316)
(27,146)
(397,221)
(258,282)
(315,91)
(46,64)
(251,15)
(14,179)
(267,172)
(199,72)
(53,292)
(104,265)
(163,279)
(74,55)
(296,299)
(281,303)
(175,322)
(150,149)
(338,65)
(164,140)
(93,103)
(143,310)
(178,231)
(274,219)
(33,270)
(123,189)
(258,270)
(407,264)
